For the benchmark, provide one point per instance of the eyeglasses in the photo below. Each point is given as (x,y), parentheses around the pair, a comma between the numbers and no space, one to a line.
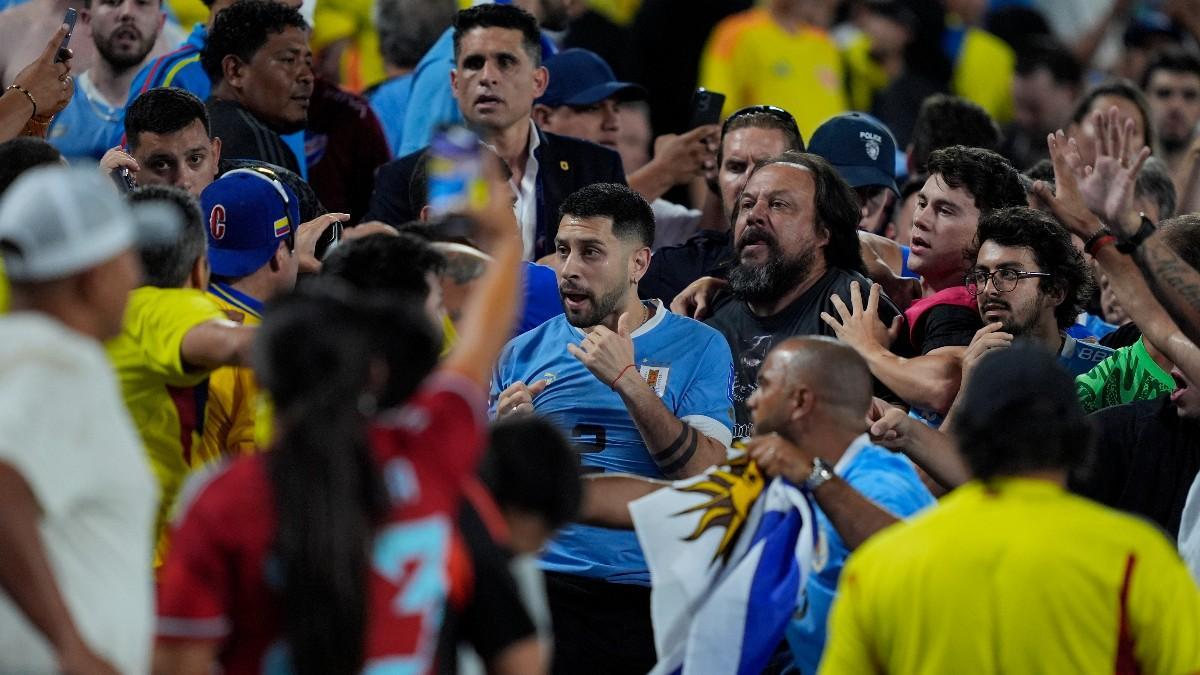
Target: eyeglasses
(1003,279)
(775,112)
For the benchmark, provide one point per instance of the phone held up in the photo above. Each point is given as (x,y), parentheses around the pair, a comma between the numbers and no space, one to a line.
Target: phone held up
(69,19)
(706,107)
(456,179)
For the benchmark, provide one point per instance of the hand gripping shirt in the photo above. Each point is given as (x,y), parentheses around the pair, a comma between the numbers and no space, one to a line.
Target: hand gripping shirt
(687,364)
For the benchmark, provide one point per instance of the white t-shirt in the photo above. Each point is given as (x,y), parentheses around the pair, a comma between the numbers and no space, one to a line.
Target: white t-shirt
(674,223)
(65,429)
(1189,530)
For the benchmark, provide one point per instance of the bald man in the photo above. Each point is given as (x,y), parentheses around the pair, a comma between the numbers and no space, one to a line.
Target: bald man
(813,393)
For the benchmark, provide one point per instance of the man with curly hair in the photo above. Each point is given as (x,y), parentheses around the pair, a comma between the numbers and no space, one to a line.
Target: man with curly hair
(261,67)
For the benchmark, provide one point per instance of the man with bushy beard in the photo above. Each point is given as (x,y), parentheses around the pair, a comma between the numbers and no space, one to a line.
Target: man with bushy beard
(796,242)
(124,32)
(639,390)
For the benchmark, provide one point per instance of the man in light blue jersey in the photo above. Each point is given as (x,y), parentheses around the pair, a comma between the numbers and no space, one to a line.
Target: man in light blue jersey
(124,32)
(639,390)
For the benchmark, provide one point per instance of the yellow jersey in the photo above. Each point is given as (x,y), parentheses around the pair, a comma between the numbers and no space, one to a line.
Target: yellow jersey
(165,398)
(752,60)
(233,393)
(1017,576)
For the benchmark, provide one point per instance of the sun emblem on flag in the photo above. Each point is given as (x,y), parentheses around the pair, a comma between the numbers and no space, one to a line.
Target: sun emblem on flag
(732,491)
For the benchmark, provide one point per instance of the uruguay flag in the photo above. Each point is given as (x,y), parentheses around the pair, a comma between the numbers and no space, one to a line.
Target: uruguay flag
(728,563)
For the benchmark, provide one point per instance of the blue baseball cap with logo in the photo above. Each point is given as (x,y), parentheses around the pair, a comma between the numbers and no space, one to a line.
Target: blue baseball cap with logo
(248,212)
(860,147)
(580,77)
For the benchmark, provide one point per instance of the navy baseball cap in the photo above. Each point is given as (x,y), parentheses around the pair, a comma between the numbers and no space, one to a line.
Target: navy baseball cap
(249,212)
(580,77)
(860,147)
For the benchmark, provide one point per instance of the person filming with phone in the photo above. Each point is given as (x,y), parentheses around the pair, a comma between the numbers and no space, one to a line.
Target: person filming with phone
(40,90)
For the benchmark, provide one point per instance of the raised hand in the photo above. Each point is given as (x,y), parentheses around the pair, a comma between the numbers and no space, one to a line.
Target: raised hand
(607,354)
(1066,201)
(988,338)
(860,326)
(695,301)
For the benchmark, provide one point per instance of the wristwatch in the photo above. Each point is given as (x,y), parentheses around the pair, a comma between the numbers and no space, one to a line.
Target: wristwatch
(821,472)
(1130,245)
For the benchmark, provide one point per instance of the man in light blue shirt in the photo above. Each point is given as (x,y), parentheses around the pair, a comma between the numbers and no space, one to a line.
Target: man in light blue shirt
(430,88)
(638,390)
(124,32)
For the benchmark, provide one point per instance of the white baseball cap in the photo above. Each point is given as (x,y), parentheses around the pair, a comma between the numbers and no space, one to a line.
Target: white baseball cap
(56,221)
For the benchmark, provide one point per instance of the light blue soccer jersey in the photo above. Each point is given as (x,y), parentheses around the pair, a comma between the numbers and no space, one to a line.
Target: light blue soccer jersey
(85,129)
(1078,356)
(884,477)
(690,367)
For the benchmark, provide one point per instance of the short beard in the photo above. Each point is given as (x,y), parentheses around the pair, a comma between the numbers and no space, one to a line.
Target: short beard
(771,280)
(601,308)
(122,62)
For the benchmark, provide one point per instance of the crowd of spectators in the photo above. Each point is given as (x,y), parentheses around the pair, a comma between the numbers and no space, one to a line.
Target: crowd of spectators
(269,405)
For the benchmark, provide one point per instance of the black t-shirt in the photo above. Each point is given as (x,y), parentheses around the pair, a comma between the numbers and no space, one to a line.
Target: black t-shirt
(750,337)
(244,136)
(1123,336)
(1145,461)
(672,268)
(495,616)
(947,326)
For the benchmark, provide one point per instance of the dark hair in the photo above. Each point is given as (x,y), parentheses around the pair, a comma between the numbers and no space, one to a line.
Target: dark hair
(500,16)
(1182,235)
(631,215)
(1042,170)
(530,466)
(385,262)
(408,28)
(1154,183)
(169,266)
(21,154)
(1173,60)
(242,29)
(315,354)
(1055,253)
(836,209)
(1047,53)
(1019,414)
(762,117)
(163,110)
(990,178)
(1121,89)
(946,120)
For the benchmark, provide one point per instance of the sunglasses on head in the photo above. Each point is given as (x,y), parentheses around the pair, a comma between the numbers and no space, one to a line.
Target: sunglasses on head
(771,111)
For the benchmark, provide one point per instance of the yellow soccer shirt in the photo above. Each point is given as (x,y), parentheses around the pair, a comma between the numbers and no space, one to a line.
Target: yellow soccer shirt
(165,398)
(233,393)
(752,60)
(1017,577)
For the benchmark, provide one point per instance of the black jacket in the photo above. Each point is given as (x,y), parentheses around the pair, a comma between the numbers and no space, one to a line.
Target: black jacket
(565,164)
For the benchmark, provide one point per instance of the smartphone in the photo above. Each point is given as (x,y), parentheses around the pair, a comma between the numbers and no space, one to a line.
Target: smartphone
(706,107)
(123,178)
(69,19)
(455,172)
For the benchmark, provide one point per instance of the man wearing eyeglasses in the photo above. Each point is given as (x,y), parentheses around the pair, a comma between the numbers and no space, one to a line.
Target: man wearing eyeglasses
(1029,283)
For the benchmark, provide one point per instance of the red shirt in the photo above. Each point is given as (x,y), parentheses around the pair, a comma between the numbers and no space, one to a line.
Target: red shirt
(217,582)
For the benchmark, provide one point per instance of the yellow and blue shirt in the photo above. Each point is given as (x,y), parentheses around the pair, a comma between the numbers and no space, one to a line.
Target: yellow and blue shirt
(165,397)
(234,401)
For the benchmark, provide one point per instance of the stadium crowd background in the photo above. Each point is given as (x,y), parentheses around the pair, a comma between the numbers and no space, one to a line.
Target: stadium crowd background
(266,407)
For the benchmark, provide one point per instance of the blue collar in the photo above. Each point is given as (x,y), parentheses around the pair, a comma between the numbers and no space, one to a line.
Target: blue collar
(199,36)
(236,298)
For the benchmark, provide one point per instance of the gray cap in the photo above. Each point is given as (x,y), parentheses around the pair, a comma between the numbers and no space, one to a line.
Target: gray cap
(56,221)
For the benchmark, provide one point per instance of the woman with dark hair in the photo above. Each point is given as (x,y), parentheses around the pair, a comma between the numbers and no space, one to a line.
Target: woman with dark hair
(329,555)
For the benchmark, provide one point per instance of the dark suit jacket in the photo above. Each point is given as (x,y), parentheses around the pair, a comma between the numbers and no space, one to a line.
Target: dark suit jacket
(565,164)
